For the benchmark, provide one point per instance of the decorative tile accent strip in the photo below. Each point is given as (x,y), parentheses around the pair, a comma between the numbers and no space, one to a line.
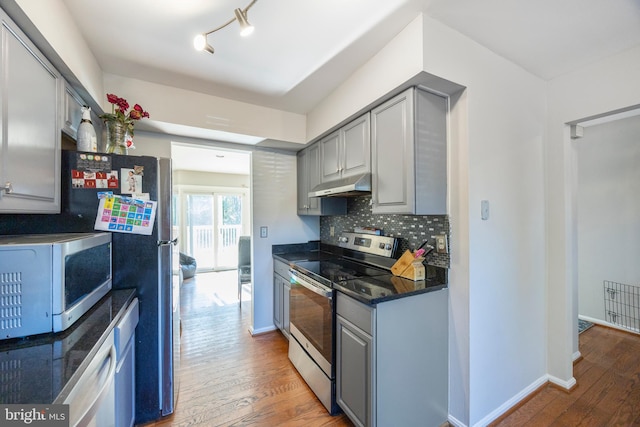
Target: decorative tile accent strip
(412,230)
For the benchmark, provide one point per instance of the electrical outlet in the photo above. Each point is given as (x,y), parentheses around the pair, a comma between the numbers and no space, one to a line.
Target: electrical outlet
(264,231)
(441,244)
(332,231)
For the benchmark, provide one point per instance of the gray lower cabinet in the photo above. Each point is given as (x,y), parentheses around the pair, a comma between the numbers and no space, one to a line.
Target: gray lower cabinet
(281,290)
(30,93)
(308,175)
(392,360)
(354,354)
(409,154)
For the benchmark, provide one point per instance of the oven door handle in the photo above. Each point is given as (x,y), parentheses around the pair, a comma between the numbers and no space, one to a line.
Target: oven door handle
(318,289)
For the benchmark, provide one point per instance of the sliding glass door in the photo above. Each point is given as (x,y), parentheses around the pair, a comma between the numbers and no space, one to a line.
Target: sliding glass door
(213,224)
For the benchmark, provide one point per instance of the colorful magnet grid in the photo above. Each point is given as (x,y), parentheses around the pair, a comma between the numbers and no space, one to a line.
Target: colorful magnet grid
(123,216)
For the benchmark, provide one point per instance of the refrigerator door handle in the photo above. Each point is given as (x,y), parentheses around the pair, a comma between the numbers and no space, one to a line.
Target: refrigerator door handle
(168,242)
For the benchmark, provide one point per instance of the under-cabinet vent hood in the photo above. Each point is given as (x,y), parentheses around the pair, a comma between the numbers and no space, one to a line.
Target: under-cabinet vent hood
(358,185)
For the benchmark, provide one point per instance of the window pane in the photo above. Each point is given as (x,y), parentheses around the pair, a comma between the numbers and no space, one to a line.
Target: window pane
(231,210)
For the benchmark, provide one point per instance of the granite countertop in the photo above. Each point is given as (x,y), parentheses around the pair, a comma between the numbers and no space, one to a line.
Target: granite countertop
(372,291)
(34,370)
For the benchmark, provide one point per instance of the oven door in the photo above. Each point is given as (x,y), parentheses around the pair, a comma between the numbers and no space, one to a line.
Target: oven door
(312,320)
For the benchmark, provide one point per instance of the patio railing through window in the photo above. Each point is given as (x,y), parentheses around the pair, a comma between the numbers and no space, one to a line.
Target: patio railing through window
(204,246)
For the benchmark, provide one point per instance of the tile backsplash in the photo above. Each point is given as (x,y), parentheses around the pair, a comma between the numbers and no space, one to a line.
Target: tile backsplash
(412,230)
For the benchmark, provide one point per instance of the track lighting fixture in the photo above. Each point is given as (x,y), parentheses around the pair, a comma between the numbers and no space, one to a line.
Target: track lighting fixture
(200,41)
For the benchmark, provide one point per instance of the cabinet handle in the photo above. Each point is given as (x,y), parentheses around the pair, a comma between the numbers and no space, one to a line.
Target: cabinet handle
(7,189)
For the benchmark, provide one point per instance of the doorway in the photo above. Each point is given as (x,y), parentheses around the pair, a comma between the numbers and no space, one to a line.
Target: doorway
(607,182)
(211,187)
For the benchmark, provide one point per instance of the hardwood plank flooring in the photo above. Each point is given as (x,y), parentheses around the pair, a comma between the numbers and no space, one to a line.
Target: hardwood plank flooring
(229,378)
(607,393)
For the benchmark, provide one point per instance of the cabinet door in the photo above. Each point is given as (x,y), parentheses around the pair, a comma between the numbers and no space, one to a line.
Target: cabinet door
(392,146)
(354,372)
(330,157)
(72,112)
(313,178)
(30,94)
(308,177)
(286,290)
(302,183)
(277,301)
(356,147)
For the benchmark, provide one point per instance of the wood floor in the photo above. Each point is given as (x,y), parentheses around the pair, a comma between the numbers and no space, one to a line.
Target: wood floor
(608,390)
(229,378)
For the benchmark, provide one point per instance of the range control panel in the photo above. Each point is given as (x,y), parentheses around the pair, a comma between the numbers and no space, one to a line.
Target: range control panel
(370,243)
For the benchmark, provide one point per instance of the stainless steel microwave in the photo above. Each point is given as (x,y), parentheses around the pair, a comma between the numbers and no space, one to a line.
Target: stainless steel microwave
(48,281)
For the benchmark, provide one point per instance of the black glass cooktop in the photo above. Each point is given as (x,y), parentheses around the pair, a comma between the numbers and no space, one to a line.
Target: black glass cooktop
(368,284)
(336,270)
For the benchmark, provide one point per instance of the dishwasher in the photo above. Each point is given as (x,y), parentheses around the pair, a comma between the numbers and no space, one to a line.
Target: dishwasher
(104,395)
(92,400)
(125,338)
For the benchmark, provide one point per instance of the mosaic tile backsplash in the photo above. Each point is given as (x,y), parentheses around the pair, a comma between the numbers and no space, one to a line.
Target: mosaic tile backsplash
(412,230)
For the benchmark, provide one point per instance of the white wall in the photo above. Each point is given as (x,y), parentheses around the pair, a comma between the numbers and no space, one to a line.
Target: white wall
(604,86)
(608,211)
(187,177)
(167,104)
(274,206)
(53,20)
(497,282)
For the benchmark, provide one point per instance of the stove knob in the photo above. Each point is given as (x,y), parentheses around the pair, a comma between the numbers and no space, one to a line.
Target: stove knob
(343,239)
(381,246)
(388,246)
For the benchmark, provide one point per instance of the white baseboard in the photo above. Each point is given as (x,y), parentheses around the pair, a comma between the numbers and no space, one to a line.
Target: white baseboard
(512,402)
(262,330)
(455,422)
(576,356)
(566,384)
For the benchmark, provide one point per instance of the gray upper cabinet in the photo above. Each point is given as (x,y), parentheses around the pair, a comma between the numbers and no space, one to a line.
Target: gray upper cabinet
(347,151)
(409,154)
(308,175)
(72,112)
(30,95)
(72,115)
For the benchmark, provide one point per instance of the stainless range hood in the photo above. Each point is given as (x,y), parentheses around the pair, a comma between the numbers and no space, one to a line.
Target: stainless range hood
(358,185)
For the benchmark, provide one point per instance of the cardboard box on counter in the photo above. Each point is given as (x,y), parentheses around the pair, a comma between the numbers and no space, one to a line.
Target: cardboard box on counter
(409,267)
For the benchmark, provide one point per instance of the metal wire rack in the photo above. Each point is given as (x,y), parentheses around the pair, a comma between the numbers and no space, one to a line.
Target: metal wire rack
(622,305)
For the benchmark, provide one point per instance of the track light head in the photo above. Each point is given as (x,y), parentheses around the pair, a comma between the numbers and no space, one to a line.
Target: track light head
(200,43)
(245,27)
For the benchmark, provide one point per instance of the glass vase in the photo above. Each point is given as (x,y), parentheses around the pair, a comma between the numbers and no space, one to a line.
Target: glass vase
(116,137)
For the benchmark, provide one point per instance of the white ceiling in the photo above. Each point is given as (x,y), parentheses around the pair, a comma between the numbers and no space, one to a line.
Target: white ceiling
(302,50)
(199,158)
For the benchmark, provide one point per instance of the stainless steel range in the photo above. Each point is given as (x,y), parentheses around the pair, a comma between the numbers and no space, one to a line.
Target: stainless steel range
(363,258)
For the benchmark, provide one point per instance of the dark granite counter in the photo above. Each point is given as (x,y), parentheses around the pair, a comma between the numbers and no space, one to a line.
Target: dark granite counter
(372,291)
(34,370)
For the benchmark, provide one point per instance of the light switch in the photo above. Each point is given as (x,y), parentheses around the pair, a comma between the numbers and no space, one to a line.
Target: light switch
(484,210)
(263,231)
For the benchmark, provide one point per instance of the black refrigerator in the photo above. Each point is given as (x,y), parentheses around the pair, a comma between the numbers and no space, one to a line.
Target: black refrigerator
(141,261)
